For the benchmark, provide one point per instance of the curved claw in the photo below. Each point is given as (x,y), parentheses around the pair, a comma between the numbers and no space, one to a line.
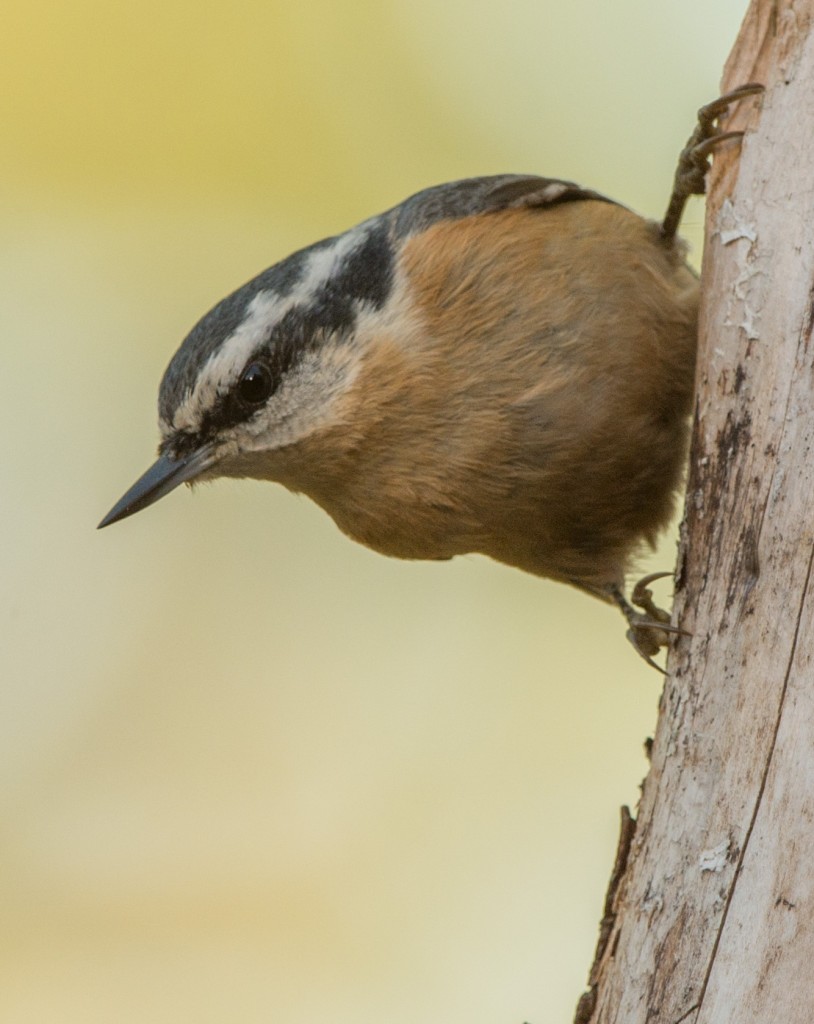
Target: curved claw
(703,149)
(651,631)
(693,163)
(642,597)
(631,635)
(640,591)
(710,111)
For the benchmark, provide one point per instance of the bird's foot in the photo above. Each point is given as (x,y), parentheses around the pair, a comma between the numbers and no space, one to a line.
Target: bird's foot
(693,163)
(650,628)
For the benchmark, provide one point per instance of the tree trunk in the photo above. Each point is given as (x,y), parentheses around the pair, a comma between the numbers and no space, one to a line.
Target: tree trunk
(710,915)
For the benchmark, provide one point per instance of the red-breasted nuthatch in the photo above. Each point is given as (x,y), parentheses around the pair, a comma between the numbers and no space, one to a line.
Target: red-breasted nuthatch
(500,365)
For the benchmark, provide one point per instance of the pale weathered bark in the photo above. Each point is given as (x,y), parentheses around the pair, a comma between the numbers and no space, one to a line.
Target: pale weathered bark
(711,917)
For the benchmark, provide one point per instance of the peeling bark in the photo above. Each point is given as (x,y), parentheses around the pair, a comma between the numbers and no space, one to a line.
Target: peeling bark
(712,914)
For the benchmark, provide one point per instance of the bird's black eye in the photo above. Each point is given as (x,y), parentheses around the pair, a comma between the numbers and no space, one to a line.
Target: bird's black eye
(255,384)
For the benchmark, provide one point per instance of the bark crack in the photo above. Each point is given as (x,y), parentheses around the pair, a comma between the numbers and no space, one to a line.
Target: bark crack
(761,790)
(686,1016)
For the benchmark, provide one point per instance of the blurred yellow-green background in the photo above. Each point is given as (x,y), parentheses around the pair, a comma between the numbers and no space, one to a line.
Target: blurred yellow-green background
(249,771)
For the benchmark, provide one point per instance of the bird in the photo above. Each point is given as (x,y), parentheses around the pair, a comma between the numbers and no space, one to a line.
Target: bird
(499,365)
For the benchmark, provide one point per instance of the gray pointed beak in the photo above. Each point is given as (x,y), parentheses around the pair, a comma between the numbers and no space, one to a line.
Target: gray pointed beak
(161,478)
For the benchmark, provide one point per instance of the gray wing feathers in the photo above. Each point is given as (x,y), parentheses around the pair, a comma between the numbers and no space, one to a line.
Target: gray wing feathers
(470,196)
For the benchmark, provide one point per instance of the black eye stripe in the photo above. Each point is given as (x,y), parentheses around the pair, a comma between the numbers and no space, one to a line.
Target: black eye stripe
(260,378)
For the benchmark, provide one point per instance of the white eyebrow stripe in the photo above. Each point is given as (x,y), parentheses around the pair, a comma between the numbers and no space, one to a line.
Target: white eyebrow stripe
(265,310)
(219,369)
(323,262)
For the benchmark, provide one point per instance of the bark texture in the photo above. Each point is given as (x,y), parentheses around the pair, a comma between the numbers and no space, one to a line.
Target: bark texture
(712,918)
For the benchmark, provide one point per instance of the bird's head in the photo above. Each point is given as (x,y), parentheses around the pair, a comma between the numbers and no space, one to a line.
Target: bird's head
(267,367)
